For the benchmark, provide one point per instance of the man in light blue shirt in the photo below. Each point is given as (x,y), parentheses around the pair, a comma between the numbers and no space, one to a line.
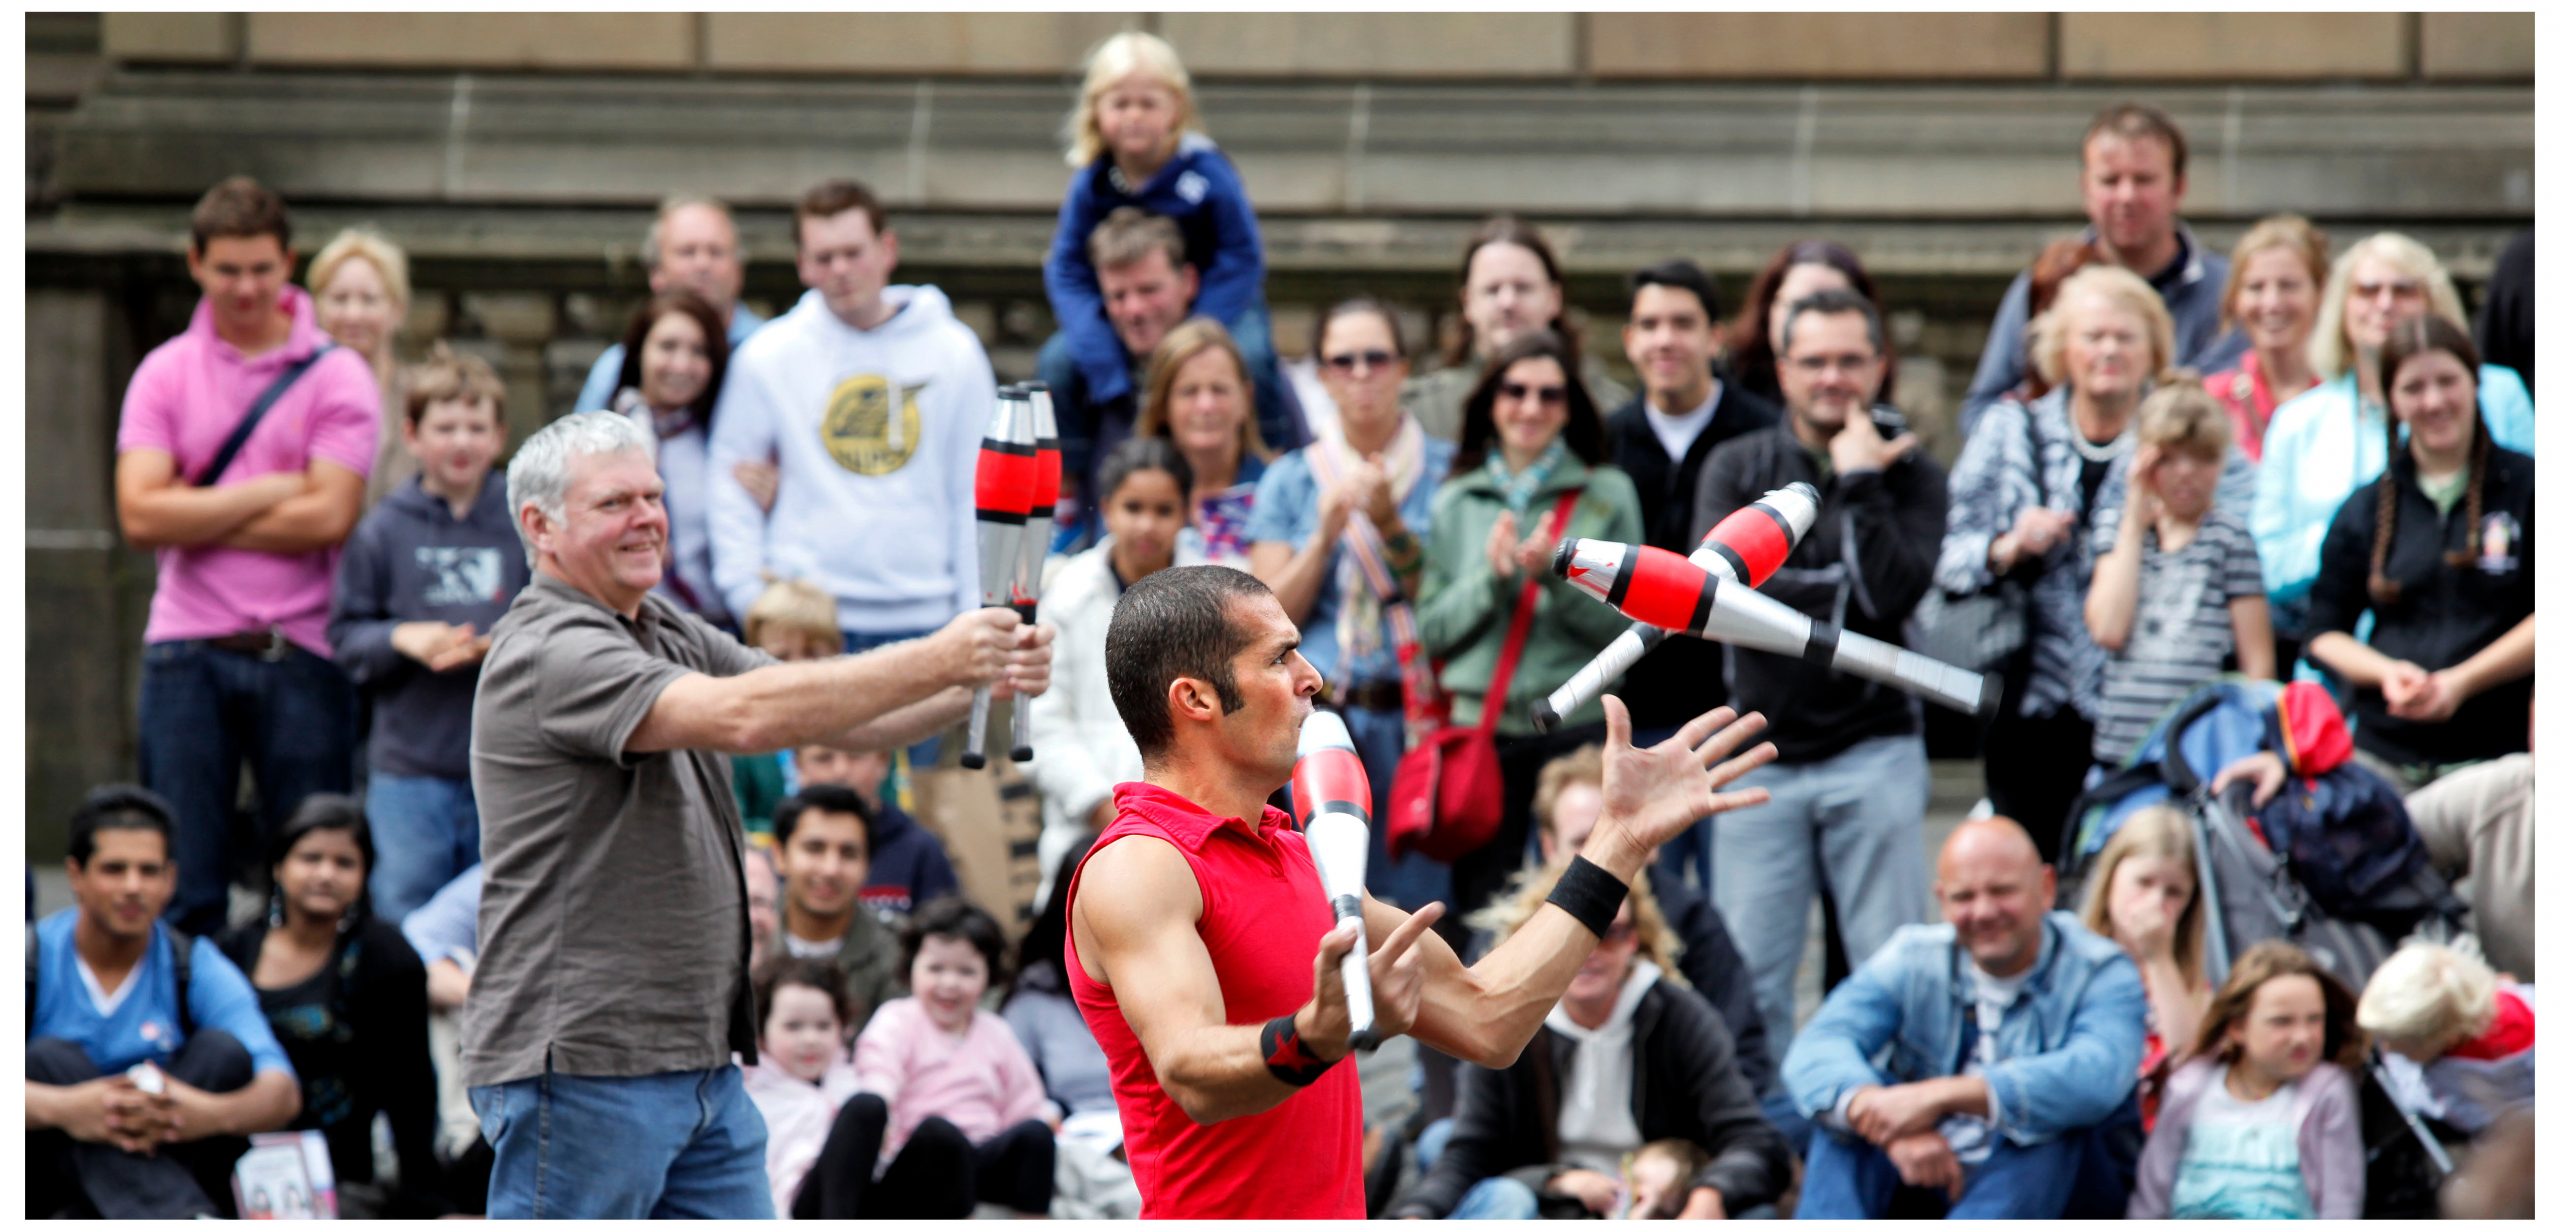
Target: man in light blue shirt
(1983,1067)
(692,246)
(146,1071)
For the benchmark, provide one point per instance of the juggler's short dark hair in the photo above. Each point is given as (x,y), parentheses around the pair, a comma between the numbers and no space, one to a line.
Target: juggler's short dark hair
(1174,623)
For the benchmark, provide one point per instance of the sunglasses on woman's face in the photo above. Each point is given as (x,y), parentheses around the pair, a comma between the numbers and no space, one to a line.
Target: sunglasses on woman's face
(1550,395)
(1353,361)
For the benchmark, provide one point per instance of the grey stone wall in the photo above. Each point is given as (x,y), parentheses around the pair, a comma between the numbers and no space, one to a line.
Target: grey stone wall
(517,157)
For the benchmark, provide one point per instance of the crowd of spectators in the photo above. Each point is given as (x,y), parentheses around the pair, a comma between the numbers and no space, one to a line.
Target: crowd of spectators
(2180,466)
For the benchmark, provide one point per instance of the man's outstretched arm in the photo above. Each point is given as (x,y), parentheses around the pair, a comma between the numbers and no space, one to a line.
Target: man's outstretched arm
(1487,1013)
(1142,938)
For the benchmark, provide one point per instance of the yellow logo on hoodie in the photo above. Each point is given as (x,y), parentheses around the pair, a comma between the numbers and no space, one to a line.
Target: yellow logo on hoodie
(864,432)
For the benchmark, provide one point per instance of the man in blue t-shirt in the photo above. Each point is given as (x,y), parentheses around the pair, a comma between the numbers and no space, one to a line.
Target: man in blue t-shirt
(140,1094)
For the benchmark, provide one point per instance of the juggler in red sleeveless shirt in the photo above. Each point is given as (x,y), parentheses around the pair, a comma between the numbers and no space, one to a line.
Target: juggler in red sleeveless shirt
(1262,914)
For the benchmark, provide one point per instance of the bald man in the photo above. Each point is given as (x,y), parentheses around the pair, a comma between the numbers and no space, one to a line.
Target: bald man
(2010,1038)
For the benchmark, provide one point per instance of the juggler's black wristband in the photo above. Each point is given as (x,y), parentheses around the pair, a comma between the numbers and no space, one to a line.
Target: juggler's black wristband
(1588,893)
(1286,1057)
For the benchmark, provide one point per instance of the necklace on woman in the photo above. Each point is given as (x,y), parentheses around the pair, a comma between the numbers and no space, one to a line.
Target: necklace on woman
(2092,452)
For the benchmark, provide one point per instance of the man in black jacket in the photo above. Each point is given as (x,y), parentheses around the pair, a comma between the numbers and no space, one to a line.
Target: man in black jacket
(1661,440)
(1629,1056)
(1852,781)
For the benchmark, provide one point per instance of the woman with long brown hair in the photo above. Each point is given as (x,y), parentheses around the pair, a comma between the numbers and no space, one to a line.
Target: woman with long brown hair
(674,355)
(2440,550)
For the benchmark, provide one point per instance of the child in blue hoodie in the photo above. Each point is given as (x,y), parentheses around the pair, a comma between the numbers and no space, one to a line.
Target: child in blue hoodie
(1135,139)
(420,584)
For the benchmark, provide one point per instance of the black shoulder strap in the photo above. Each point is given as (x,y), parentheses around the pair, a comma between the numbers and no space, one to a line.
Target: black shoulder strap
(258,411)
(182,954)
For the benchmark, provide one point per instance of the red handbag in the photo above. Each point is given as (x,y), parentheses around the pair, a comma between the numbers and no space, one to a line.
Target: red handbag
(1446,800)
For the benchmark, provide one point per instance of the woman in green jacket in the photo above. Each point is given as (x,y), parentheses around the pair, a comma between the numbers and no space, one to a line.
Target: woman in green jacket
(1531,435)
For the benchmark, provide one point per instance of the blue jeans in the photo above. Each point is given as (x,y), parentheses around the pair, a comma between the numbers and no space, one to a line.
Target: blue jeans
(426,831)
(923,753)
(1416,879)
(686,1145)
(2078,1175)
(204,711)
(1858,813)
(1497,1197)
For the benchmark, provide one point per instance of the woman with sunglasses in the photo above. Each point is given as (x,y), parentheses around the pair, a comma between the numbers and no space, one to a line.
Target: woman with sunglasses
(347,997)
(2324,444)
(1336,532)
(1531,442)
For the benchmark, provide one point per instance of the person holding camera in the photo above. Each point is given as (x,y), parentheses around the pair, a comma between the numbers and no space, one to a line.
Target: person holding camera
(1851,781)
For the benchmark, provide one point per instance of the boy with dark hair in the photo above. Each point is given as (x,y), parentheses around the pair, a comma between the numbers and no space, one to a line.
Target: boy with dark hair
(822,848)
(424,577)
(241,457)
(147,1064)
(909,865)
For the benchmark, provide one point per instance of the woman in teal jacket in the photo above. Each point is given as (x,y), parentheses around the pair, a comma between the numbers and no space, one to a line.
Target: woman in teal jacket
(1530,436)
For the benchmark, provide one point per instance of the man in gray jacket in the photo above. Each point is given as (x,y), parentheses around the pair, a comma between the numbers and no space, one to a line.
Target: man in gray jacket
(2133,174)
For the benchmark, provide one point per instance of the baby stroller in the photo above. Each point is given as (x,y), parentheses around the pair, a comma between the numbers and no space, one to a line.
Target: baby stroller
(2332,864)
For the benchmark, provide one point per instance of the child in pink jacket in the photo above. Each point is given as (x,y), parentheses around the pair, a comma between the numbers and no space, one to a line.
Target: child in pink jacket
(968,1121)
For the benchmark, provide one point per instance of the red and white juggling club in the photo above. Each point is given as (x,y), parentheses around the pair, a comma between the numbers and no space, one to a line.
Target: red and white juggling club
(1659,588)
(1746,547)
(1035,537)
(1008,462)
(1329,791)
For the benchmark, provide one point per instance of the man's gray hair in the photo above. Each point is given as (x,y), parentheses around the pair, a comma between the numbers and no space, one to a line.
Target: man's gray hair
(667,209)
(539,475)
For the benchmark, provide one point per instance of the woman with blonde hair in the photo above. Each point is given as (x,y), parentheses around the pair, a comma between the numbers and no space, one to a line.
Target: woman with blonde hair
(1200,397)
(1629,1055)
(2033,478)
(2326,443)
(2273,295)
(1135,140)
(360,295)
(2142,896)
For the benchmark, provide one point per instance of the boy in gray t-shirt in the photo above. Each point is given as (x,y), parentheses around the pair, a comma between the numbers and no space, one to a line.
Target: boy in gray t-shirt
(2178,588)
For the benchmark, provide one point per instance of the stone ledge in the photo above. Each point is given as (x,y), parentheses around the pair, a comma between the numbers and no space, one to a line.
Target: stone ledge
(1934,152)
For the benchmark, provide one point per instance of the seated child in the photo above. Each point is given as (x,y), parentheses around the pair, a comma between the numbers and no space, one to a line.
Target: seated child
(968,1119)
(1659,1176)
(2457,1040)
(803,1075)
(2261,1122)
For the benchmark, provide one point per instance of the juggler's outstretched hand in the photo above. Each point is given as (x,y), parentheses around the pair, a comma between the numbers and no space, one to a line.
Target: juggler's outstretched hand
(1656,793)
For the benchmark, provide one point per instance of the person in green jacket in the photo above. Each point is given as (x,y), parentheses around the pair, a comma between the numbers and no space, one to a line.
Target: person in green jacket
(1530,437)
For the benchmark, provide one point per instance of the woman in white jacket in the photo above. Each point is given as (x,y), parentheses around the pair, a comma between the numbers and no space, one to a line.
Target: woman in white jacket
(1084,749)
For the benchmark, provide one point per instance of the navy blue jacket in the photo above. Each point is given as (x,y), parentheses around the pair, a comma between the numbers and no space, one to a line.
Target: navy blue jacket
(1200,191)
(908,867)
(411,559)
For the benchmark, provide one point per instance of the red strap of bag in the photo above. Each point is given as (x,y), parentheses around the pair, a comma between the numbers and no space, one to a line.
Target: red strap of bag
(1497,696)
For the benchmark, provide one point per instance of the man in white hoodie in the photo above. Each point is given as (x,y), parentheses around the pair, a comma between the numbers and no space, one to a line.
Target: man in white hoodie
(870,398)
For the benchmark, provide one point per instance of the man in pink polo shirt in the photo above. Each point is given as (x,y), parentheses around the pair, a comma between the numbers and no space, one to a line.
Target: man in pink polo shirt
(235,659)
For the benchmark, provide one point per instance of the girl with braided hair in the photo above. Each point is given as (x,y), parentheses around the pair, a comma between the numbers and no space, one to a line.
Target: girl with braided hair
(2439,549)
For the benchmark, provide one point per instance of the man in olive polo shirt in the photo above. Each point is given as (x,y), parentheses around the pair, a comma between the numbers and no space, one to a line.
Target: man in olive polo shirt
(611,988)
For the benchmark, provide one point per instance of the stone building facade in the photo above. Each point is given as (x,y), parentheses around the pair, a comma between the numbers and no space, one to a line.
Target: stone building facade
(518,156)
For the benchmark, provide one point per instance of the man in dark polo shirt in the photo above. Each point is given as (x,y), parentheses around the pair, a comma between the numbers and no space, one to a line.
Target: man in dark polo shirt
(611,987)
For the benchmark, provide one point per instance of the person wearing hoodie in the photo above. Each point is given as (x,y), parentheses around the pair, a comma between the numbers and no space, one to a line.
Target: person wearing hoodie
(1629,1056)
(909,865)
(869,399)
(422,580)
(1144,494)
